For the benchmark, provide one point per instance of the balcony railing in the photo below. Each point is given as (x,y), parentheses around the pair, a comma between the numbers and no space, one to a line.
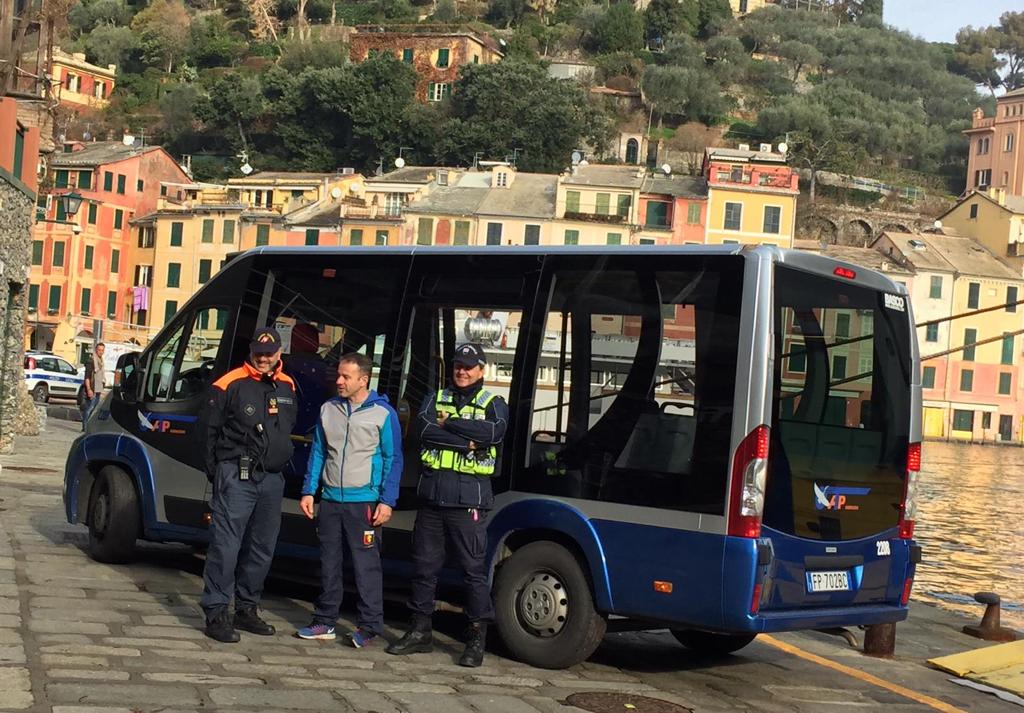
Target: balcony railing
(612,218)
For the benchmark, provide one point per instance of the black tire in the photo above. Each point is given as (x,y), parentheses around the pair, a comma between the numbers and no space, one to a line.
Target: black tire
(710,643)
(41,393)
(114,517)
(544,608)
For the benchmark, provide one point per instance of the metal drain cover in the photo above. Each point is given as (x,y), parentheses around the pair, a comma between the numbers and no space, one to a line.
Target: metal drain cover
(598,702)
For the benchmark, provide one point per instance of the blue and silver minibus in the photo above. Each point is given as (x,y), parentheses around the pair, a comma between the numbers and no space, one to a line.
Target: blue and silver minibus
(717,440)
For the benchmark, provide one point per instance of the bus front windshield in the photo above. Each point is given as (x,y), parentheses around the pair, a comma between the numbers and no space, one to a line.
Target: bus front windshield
(841,411)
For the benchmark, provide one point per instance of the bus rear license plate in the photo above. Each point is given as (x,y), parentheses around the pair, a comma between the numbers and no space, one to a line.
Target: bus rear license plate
(828,581)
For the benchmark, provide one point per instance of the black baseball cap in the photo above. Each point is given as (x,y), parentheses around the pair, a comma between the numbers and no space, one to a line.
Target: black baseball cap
(265,341)
(470,355)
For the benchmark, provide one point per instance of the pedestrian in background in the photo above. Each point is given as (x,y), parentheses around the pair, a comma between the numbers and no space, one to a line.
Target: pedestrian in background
(356,462)
(95,384)
(461,427)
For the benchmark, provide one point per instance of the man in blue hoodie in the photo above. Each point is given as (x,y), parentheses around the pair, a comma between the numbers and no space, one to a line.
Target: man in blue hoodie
(356,458)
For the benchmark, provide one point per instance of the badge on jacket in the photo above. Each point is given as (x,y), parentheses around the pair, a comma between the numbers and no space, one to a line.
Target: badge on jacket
(367,538)
(272,405)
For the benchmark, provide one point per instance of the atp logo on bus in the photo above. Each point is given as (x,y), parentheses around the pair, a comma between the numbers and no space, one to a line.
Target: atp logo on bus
(831,497)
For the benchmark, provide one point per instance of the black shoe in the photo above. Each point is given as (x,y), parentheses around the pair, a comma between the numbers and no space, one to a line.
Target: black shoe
(249,620)
(219,628)
(419,639)
(473,655)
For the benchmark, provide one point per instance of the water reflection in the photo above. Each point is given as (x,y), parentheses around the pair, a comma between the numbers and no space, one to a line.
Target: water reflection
(971,525)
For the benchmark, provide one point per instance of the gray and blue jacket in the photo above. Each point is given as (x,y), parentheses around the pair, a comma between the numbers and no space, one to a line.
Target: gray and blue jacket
(356,455)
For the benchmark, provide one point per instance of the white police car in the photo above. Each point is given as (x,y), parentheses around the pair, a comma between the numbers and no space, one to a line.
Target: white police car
(48,375)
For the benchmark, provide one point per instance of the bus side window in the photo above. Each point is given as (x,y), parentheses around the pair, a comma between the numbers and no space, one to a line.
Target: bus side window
(179,370)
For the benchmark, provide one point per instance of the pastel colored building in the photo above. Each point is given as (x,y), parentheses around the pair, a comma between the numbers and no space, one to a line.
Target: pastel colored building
(994,218)
(81,85)
(752,197)
(674,209)
(995,158)
(600,205)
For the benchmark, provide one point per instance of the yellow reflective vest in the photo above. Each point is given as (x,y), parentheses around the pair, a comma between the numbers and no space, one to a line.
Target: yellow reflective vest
(480,462)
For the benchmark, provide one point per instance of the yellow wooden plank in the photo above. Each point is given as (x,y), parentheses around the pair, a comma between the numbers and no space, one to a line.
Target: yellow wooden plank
(1009,679)
(983,660)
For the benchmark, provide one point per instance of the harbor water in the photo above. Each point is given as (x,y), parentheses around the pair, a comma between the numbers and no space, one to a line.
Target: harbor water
(971,525)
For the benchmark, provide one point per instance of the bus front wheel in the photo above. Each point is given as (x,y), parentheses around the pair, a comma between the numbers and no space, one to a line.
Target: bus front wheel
(544,609)
(713,644)
(113,516)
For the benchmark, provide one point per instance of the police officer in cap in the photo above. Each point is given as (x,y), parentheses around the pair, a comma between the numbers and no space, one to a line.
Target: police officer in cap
(249,418)
(461,428)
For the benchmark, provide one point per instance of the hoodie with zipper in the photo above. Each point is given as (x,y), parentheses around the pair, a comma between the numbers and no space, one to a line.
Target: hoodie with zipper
(356,454)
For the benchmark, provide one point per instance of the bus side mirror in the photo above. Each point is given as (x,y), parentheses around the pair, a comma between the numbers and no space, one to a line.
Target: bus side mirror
(126,377)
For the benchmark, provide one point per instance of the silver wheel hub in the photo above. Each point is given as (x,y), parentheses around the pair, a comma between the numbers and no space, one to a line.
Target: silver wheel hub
(99,517)
(543,604)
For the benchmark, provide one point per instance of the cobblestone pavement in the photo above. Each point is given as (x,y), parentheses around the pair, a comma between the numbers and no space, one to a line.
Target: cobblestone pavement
(80,636)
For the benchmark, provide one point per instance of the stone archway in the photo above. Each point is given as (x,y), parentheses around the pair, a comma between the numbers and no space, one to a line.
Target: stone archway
(895,228)
(816,227)
(858,232)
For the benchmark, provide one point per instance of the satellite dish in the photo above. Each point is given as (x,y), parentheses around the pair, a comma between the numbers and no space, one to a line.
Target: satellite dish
(127,139)
(353,188)
(666,168)
(583,163)
(783,148)
(87,136)
(246,168)
(335,193)
(937,224)
(576,157)
(399,162)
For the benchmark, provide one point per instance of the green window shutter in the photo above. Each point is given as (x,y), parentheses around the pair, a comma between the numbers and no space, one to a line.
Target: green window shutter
(118,219)
(408,55)
(112,304)
(693,214)
(772,220)
(356,237)
(93,207)
(615,238)
(733,216)
(532,235)
(176,229)
(970,336)
(228,235)
(61,179)
(657,214)
(1007,357)
(61,215)
(33,298)
(120,183)
(174,274)
(838,367)
(108,181)
(425,231)
(572,237)
(170,309)
(842,325)
(19,153)
(935,288)
(140,185)
(624,202)
(430,92)
(1011,299)
(262,235)
(58,254)
(973,295)
(86,302)
(443,57)
(572,201)
(85,179)
(54,300)
(208,230)
(222,319)
(312,236)
(461,232)
(928,378)
(966,380)
(494,233)
(205,266)
(89,250)
(382,237)
(931,333)
(602,203)
(1005,384)
(37,252)
(115,261)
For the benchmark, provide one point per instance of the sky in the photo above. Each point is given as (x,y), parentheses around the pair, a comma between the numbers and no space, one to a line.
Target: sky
(939,20)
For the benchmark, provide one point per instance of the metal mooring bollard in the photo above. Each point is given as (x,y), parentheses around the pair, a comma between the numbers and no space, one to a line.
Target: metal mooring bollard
(880,640)
(990,629)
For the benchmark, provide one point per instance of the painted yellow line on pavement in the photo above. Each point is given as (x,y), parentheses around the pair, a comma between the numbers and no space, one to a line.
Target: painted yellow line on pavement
(866,677)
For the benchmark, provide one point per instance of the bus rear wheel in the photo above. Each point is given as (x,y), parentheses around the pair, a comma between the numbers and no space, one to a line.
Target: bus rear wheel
(710,643)
(544,609)
(114,517)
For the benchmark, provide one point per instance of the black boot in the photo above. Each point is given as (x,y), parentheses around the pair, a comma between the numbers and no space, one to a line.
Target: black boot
(219,628)
(419,639)
(473,655)
(248,620)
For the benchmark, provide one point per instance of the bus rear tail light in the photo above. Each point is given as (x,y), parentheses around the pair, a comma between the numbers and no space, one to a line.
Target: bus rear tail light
(909,511)
(749,473)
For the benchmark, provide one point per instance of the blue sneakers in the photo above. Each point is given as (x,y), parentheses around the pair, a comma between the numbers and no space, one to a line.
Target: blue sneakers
(316,631)
(361,638)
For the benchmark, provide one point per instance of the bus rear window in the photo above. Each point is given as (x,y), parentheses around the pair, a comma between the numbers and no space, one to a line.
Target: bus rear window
(841,411)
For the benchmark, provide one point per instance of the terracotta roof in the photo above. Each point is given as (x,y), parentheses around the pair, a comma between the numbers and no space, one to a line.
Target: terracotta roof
(100,153)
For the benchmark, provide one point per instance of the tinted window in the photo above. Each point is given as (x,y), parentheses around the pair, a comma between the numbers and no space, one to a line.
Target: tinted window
(635,382)
(841,423)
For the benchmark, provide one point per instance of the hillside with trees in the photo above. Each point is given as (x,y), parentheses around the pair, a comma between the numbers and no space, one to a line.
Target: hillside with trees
(215,78)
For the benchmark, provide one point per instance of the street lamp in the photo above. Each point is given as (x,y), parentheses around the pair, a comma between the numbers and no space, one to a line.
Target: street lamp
(71,202)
